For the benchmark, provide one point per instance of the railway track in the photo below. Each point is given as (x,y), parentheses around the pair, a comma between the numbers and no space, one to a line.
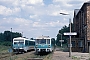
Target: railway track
(3,55)
(24,56)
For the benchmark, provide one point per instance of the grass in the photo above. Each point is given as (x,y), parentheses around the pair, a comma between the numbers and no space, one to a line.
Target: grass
(4,48)
(44,57)
(81,57)
(63,48)
(75,58)
(49,57)
(4,52)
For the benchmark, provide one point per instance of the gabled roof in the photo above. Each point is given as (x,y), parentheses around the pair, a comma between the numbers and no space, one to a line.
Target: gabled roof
(76,11)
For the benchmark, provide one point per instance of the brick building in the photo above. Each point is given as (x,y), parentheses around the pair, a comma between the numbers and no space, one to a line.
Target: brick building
(81,23)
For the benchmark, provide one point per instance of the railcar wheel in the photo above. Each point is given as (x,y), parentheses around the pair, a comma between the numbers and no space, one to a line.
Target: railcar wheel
(22,52)
(36,52)
(25,51)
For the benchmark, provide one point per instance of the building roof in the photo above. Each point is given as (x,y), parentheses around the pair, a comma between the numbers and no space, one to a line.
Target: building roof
(76,11)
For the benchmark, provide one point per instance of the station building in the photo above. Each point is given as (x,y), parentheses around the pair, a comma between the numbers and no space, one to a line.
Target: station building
(81,23)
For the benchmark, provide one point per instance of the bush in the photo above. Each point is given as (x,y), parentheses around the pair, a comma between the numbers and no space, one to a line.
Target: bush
(6,43)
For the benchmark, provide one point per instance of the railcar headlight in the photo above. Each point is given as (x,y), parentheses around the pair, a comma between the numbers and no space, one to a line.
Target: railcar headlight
(49,46)
(22,46)
(14,47)
(36,46)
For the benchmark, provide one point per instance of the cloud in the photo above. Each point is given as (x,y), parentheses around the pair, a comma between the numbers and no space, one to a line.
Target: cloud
(33,16)
(5,11)
(34,2)
(63,2)
(19,2)
(15,22)
(8,11)
(52,24)
(36,17)
(18,23)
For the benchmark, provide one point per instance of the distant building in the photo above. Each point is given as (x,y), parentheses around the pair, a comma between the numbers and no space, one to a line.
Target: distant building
(81,23)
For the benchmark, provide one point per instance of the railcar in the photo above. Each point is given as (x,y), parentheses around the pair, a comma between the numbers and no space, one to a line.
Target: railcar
(44,44)
(21,44)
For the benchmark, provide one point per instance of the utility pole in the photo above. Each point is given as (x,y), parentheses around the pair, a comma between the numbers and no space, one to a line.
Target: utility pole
(70,39)
(10,50)
(22,34)
(70,34)
(61,39)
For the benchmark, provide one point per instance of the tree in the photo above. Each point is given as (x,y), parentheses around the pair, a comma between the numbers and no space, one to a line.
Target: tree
(7,37)
(1,37)
(63,29)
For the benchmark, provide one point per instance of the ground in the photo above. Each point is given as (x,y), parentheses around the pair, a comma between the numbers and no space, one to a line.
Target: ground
(60,55)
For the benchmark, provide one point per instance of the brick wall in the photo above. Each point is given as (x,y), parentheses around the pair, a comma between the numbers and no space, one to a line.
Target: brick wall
(88,22)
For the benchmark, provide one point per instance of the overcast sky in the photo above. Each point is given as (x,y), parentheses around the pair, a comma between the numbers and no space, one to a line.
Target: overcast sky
(36,17)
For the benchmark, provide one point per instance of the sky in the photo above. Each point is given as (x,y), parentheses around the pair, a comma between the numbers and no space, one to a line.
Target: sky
(36,17)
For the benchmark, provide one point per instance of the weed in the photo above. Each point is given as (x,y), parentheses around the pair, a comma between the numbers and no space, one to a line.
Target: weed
(75,58)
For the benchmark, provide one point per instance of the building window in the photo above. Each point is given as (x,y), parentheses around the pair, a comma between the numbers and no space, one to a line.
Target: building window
(73,43)
(80,43)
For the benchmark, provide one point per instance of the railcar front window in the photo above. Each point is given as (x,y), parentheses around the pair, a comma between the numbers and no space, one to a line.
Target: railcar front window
(41,41)
(21,42)
(18,42)
(15,42)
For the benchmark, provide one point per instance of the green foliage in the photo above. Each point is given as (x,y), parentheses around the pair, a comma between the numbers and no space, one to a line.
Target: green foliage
(6,43)
(3,48)
(7,37)
(64,29)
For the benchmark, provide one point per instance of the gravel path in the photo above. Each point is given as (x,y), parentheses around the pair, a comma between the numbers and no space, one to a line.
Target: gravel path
(59,55)
(81,56)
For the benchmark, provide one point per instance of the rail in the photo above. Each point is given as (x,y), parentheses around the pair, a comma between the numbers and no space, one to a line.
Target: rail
(35,59)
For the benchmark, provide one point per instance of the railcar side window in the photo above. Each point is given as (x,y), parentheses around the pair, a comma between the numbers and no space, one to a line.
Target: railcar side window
(37,41)
(31,43)
(48,41)
(26,42)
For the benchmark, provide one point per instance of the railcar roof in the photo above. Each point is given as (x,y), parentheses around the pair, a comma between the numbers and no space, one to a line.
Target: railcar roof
(20,38)
(32,40)
(23,38)
(43,37)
